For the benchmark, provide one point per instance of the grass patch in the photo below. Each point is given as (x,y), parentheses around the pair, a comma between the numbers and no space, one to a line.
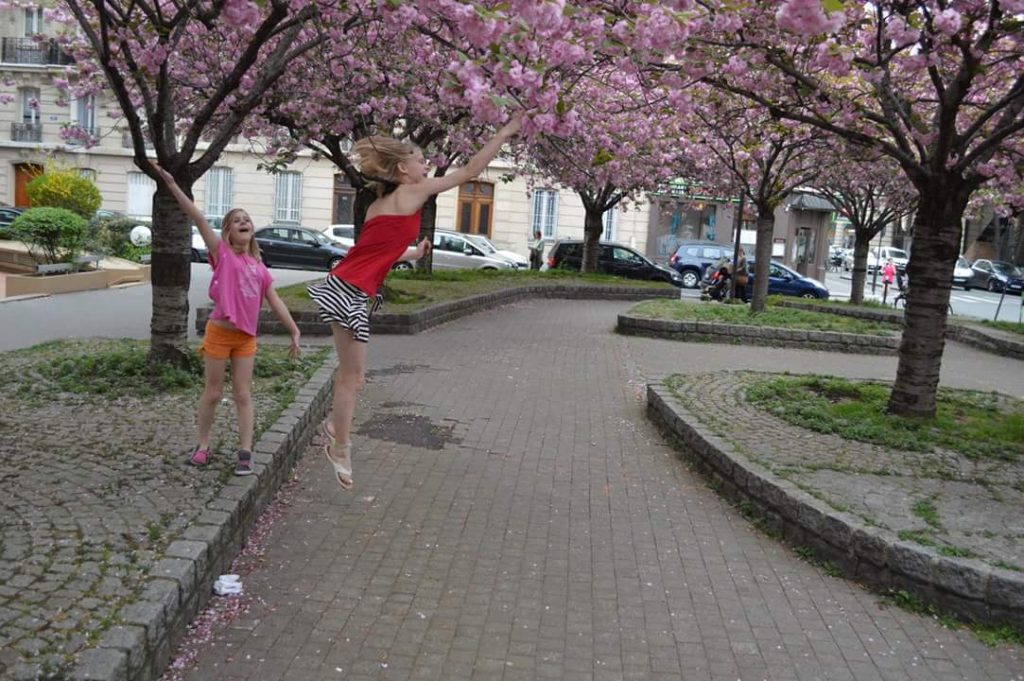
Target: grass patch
(926,511)
(410,291)
(1012,327)
(976,424)
(775,317)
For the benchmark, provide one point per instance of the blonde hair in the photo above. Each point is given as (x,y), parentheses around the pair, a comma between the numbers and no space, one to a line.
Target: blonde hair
(225,232)
(379,157)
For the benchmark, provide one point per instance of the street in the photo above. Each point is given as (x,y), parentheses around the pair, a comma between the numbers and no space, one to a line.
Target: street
(106,313)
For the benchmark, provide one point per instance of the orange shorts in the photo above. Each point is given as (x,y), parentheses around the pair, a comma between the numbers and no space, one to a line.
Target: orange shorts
(222,343)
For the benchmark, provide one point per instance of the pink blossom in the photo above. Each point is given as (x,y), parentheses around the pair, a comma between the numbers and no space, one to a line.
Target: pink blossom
(807,17)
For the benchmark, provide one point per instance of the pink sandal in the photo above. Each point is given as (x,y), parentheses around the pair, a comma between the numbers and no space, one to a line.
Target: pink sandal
(200,456)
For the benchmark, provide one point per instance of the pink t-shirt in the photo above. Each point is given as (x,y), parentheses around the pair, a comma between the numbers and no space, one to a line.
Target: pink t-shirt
(239,283)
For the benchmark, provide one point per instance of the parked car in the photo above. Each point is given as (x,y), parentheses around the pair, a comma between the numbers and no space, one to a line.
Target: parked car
(453,250)
(298,247)
(900,258)
(962,273)
(344,235)
(520,262)
(691,259)
(199,250)
(996,275)
(8,214)
(612,258)
(786,282)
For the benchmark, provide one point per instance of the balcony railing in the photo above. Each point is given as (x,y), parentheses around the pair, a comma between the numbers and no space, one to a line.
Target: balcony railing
(126,140)
(27,132)
(32,51)
(80,136)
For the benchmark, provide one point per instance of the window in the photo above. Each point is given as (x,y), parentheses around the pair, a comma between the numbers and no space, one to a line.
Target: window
(219,191)
(87,174)
(83,112)
(288,200)
(30,105)
(140,194)
(545,211)
(609,219)
(476,204)
(344,201)
(33,21)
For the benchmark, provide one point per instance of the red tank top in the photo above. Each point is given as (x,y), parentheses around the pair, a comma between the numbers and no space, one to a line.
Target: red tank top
(382,242)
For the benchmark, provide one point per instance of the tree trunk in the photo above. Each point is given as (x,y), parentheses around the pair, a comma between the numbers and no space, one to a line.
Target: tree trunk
(936,246)
(593,227)
(763,256)
(428,222)
(171,273)
(860,265)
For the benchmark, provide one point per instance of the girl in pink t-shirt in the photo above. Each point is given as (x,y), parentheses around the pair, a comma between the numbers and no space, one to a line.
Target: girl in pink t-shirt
(239,285)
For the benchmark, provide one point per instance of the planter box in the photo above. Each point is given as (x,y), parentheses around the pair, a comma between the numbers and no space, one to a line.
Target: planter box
(23,285)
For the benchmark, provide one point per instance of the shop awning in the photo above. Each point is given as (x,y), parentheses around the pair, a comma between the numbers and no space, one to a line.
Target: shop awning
(811,202)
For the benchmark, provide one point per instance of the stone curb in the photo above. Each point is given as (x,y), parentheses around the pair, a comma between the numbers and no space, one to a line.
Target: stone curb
(975,336)
(415,322)
(715,332)
(969,588)
(180,584)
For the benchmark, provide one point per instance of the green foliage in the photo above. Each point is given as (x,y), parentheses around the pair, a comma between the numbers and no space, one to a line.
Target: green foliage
(1012,327)
(123,371)
(111,236)
(926,511)
(772,316)
(976,424)
(65,188)
(51,234)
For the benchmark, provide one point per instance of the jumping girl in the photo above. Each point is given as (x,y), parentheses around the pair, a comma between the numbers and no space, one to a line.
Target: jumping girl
(239,285)
(347,298)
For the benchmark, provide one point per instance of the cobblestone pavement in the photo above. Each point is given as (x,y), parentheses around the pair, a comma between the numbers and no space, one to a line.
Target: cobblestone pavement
(92,490)
(976,502)
(516,517)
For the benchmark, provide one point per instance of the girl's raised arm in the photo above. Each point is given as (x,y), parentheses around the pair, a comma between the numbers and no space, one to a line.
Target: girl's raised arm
(210,237)
(476,165)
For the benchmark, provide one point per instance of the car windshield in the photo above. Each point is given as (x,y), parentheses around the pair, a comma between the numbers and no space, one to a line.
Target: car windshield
(482,243)
(320,238)
(1004,268)
(962,262)
(898,253)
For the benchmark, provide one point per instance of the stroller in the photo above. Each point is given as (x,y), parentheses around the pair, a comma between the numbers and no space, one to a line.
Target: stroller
(717,285)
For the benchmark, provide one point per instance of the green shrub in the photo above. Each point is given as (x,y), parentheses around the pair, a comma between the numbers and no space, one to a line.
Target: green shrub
(51,234)
(65,189)
(112,237)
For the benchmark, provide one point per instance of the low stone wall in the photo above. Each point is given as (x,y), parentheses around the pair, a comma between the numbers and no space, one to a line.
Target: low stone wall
(976,336)
(415,322)
(694,331)
(871,555)
(140,646)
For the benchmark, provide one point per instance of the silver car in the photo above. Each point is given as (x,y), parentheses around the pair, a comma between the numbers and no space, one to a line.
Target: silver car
(453,251)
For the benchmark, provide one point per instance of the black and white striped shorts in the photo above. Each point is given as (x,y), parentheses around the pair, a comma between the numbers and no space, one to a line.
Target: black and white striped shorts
(342,303)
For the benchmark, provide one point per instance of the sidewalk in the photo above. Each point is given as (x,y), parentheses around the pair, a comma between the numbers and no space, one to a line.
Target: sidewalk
(517,517)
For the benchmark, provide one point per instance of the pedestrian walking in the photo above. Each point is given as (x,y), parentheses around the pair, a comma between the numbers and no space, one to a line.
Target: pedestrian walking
(240,284)
(888,272)
(742,275)
(348,296)
(537,251)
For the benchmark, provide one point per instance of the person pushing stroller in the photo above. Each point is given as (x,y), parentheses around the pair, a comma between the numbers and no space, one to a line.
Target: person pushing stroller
(716,285)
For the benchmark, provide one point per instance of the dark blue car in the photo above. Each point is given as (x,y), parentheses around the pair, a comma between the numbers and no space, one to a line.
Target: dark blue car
(785,282)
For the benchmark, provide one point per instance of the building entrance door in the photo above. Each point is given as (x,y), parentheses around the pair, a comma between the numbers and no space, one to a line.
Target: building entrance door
(23,174)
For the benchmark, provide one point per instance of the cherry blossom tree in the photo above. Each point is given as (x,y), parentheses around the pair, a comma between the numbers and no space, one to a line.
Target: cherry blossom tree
(935,85)
(624,141)
(753,154)
(185,74)
(870,192)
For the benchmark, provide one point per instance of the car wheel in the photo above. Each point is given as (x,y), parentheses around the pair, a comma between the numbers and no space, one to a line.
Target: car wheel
(333,263)
(992,286)
(690,278)
(402,266)
(808,294)
(966,287)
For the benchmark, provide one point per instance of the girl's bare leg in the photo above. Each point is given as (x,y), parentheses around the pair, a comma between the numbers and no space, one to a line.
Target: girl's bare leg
(214,370)
(347,385)
(241,387)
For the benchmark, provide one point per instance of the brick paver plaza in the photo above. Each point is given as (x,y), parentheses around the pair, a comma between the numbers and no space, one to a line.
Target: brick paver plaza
(517,517)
